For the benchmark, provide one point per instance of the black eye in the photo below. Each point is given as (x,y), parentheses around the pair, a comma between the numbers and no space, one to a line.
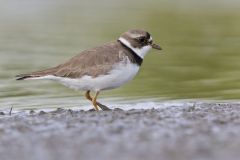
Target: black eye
(141,39)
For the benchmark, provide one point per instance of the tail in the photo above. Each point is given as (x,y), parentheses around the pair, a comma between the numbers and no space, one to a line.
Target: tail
(42,73)
(26,76)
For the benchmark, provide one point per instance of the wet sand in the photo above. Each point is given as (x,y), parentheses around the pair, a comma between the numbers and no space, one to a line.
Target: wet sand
(202,131)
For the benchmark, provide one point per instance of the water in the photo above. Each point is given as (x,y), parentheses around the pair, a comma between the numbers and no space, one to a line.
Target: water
(200,41)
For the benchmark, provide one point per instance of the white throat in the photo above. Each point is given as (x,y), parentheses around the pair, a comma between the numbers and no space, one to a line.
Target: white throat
(141,52)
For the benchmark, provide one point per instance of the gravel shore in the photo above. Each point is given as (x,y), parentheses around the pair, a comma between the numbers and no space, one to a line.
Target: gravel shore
(201,132)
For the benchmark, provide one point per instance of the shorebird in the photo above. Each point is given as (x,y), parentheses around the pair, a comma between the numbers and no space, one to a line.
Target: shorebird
(101,68)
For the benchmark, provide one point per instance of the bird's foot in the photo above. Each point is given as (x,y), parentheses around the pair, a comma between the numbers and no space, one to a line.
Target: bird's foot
(103,107)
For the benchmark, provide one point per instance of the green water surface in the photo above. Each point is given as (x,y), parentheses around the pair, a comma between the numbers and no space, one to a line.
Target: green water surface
(200,41)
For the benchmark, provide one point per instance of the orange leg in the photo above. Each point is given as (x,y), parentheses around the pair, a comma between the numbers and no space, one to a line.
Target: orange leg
(94,101)
(103,107)
(88,96)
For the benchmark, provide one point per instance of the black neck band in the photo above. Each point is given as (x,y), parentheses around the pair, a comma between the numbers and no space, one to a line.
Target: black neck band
(137,58)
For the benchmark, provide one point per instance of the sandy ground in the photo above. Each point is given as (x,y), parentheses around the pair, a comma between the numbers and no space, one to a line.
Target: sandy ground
(200,132)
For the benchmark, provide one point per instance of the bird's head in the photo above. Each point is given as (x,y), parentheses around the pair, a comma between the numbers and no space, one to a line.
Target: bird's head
(138,41)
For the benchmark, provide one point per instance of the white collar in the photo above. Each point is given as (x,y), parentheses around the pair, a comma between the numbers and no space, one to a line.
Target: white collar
(141,52)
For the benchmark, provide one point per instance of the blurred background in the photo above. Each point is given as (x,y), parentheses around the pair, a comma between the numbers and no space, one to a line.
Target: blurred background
(200,41)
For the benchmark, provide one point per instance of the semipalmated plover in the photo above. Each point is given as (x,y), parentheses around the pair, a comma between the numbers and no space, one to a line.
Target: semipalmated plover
(101,68)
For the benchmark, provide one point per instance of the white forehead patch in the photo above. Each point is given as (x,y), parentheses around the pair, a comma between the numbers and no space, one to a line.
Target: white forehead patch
(141,52)
(150,39)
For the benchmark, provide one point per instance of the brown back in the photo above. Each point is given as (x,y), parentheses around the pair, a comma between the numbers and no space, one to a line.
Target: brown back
(92,62)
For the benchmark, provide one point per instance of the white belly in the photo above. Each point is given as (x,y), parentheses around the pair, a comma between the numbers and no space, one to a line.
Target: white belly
(121,73)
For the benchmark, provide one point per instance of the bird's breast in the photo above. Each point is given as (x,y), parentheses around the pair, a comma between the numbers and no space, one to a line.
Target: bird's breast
(121,73)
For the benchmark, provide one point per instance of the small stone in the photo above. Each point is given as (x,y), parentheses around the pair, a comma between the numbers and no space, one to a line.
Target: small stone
(32,111)
(92,110)
(118,109)
(42,113)
(59,109)
(70,111)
